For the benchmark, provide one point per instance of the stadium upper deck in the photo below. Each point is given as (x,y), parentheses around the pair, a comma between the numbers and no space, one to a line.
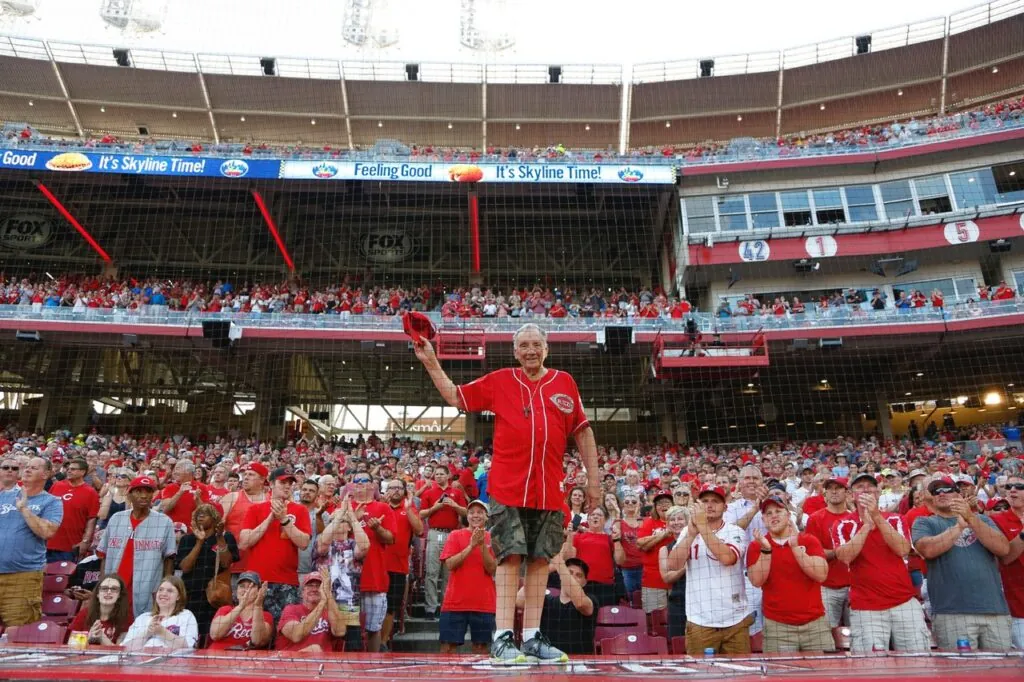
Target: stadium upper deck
(928,68)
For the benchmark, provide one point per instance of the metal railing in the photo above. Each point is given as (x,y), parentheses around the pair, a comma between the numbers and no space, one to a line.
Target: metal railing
(834,318)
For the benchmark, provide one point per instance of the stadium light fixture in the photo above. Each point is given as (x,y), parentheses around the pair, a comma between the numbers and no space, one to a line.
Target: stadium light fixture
(790,423)
(822,107)
(586,127)
(962,399)
(312,122)
(449,126)
(269,220)
(73,221)
(819,422)
(32,104)
(908,393)
(995,69)
(993,398)
(242,119)
(174,114)
(380,124)
(103,110)
(739,118)
(705,427)
(517,128)
(668,124)
(899,93)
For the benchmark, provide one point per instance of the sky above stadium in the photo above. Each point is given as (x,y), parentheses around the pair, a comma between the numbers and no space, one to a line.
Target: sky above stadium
(545,31)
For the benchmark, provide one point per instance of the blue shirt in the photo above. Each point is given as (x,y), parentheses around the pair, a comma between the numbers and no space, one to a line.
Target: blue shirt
(23,550)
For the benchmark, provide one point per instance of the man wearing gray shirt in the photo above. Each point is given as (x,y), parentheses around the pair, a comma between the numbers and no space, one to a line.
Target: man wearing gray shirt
(962,549)
(139,545)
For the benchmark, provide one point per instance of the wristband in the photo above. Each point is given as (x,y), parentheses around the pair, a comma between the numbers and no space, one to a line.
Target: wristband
(616,539)
(287,522)
(765,551)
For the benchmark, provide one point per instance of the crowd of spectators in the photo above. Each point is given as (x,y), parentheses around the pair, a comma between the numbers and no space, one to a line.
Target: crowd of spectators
(348,298)
(871,136)
(353,298)
(323,538)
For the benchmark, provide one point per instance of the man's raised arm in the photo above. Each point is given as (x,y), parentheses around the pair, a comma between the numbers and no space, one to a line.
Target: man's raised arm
(445,386)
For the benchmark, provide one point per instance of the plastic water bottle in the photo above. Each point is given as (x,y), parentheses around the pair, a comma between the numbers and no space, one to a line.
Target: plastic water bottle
(709,652)
(963,645)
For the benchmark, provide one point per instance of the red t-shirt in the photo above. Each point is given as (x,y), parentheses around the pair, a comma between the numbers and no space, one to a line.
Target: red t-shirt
(1013,573)
(469,586)
(182,512)
(820,526)
(109,628)
(915,562)
(275,557)
(375,567)
(444,518)
(879,579)
(790,596)
(216,493)
(81,503)
(533,423)
(597,550)
(240,631)
(814,504)
(396,555)
(651,576)
(320,634)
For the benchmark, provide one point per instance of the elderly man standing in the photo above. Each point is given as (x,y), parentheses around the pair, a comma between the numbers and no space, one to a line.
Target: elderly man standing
(29,516)
(179,499)
(536,411)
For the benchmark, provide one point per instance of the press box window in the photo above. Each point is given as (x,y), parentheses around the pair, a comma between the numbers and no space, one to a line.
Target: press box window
(1009,181)
(974,188)
(932,195)
(700,215)
(796,208)
(860,200)
(732,213)
(828,207)
(898,201)
(764,210)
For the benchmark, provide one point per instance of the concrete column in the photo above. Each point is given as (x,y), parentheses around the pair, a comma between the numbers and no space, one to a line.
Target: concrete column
(271,399)
(44,412)
(884,423)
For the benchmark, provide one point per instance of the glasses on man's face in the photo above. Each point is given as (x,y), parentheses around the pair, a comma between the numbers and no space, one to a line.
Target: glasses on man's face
(360,480)
(944,490)
(6,467)
(1015,486)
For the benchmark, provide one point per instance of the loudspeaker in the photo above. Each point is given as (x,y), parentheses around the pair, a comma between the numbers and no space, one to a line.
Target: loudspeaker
(943,403)
(217,331)
(122,57)
(707,68)
(412,72)
(863,44)
(554,74)
(269,66)
(1000,245)
(617,339)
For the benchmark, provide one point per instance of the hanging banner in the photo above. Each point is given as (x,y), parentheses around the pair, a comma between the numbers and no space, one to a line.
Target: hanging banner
(139,164)
(484,172)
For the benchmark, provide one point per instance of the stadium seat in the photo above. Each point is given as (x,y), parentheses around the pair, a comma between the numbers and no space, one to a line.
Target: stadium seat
(55,584)
(60,568)
(620,616)
(677,646)
(40,632)
(634,644)
(636,600)
(757,643)
(658,623)
(59,608)
(841,636)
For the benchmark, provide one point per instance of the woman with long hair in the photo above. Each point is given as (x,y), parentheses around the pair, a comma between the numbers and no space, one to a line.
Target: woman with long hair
(198,555)
(577,507)
(678,518)
(106,616)
(169,625)
(115,496)
(612,510)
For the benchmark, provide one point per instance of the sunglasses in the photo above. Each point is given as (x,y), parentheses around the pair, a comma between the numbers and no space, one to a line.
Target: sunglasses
(360,480)
(1015,486)
(9,468)
(631,502)
(944,490)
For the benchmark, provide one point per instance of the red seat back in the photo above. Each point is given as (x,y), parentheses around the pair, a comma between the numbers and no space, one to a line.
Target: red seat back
(40,632)
(621,616)
(658,623)
(677,645)
(55,584)
(633,644)
(60,568)
(60,608)
(603,632)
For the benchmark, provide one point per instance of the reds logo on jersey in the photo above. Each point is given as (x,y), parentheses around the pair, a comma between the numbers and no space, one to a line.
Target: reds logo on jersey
(564,403)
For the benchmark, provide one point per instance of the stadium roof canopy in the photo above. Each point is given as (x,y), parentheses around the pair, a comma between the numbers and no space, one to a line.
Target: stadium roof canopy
(921,69)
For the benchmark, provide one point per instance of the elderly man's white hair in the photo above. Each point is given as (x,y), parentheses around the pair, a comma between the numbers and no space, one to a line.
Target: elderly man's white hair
(529,327)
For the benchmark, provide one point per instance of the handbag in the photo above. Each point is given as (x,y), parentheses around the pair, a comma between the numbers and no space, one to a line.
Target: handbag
(218,590)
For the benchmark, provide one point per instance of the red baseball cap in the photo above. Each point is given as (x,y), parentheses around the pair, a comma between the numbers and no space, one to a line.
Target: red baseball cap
(991,504)
(839,480)
(142,482)
(713,489)
(772,499)
(418,327)
(257,467)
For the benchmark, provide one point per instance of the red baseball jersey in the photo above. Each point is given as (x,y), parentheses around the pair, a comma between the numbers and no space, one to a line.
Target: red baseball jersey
(532,425)
(879,579)
(790,596)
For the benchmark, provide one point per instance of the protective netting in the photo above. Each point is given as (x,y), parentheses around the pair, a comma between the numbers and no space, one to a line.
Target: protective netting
(756,411)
